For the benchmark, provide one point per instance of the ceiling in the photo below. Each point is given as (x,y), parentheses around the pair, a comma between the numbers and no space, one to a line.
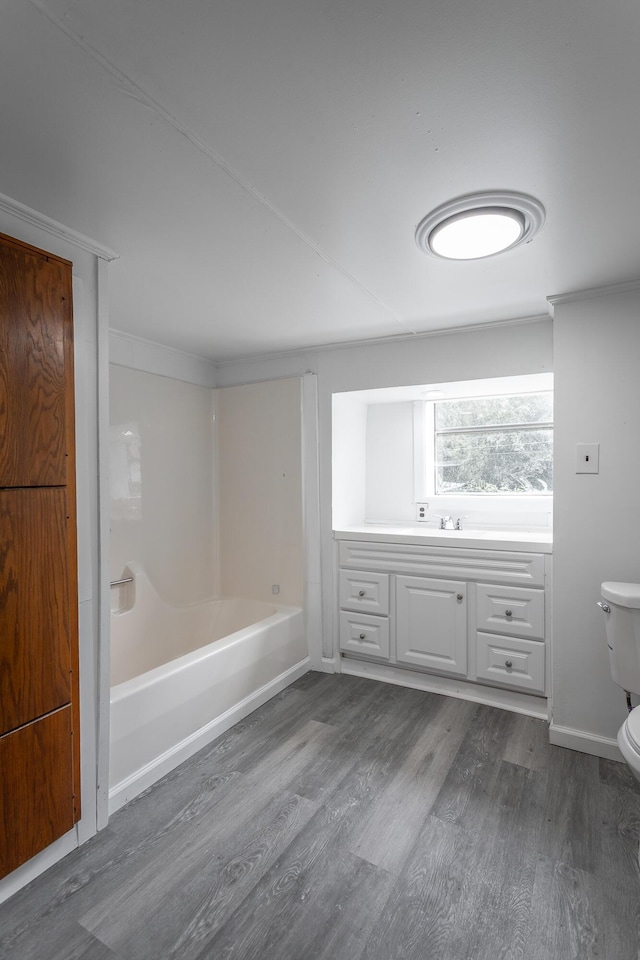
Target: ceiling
(260,168)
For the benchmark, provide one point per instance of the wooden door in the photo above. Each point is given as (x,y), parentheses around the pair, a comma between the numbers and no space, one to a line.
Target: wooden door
(35,652)
(39,702)
(35,301)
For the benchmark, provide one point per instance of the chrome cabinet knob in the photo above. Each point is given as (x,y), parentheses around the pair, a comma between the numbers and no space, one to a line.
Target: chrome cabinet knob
(508,613)
(508,664)
(460,596)
(361,593)
(363,636)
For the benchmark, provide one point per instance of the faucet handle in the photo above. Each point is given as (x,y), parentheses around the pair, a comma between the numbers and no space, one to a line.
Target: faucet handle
(459,521)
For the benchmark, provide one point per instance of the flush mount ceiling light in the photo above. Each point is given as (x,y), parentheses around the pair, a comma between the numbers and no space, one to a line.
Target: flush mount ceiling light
(480,225)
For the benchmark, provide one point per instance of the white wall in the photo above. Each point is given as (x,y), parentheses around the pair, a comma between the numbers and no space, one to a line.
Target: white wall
(162,483)
(259,429)
(597,517)
(349,464)
(493,351)
(390,487)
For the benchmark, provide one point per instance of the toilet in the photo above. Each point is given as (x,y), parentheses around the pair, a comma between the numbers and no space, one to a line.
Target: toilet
(621,605)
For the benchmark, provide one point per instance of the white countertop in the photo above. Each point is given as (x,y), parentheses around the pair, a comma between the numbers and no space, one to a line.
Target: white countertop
(528,541)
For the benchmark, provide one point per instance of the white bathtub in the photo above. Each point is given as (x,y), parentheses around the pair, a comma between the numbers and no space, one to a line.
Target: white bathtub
(181,676)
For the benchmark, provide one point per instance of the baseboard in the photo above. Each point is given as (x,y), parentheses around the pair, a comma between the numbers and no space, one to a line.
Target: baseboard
(585,742)
(330,665)
(517,702)
(42,861)
(150,773)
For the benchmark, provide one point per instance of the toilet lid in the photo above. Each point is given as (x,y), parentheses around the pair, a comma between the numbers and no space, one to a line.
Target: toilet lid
(632,723)
(624,594)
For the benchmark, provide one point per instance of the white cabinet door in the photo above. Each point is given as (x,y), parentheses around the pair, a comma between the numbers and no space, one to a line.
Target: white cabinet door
(431,628)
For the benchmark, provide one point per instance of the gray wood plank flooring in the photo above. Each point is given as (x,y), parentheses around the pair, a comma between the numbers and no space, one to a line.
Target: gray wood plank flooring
(348,819)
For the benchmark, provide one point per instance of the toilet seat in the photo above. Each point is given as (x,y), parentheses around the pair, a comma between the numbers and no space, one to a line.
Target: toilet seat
(632,724)
(629,742)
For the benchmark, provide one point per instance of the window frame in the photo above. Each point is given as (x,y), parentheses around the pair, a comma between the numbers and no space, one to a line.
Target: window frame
(425,420)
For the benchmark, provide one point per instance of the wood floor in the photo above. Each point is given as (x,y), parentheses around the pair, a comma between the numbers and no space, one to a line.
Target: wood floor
(352,820)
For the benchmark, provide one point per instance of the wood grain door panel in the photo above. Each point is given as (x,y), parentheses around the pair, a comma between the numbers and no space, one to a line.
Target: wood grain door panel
(35,651)
(36,788)
(35,319)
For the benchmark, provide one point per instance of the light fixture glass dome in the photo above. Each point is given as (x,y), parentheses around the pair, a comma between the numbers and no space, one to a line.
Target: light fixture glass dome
(480,225)
(479,233)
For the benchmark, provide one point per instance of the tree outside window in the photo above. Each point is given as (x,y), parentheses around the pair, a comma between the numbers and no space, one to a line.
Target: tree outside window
(494,445)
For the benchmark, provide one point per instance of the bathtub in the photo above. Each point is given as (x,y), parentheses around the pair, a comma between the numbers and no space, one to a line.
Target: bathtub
(182,675)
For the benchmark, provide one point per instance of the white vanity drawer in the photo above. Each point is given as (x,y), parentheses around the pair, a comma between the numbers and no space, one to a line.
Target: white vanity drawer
(364,591)
(361,633)
(511,661)
(518,610)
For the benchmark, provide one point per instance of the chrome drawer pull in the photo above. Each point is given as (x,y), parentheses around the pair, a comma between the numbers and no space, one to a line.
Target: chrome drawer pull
(508,613)
(363,636)
(361,593)
(508,664)
(460,596)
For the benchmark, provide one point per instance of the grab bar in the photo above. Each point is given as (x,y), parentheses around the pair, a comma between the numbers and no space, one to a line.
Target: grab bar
(116,583)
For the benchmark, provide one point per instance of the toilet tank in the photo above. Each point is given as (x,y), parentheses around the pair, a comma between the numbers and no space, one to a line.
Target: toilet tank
(621,605)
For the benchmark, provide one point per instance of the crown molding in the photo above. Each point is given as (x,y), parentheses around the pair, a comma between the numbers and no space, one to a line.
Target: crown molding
(590,293)
(35,219)
(376,341)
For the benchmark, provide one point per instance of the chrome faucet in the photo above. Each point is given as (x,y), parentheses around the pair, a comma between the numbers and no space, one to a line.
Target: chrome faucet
(447,523)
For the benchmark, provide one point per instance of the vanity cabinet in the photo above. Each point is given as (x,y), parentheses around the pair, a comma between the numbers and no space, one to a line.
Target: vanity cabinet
(466,613)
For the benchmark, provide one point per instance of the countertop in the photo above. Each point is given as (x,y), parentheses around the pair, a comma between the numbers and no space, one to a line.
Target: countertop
(527,541)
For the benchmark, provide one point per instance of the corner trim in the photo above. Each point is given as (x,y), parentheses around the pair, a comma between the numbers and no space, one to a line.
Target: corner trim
(585,742)
(53,227)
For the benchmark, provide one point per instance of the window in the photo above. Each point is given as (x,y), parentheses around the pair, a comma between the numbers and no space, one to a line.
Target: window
(492,445)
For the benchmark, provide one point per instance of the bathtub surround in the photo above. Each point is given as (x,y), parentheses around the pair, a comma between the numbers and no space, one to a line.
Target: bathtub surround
(206,484)
(259,455)
(162,482)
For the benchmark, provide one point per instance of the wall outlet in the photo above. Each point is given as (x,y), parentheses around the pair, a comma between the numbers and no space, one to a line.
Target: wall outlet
(421,511)
(587,457)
